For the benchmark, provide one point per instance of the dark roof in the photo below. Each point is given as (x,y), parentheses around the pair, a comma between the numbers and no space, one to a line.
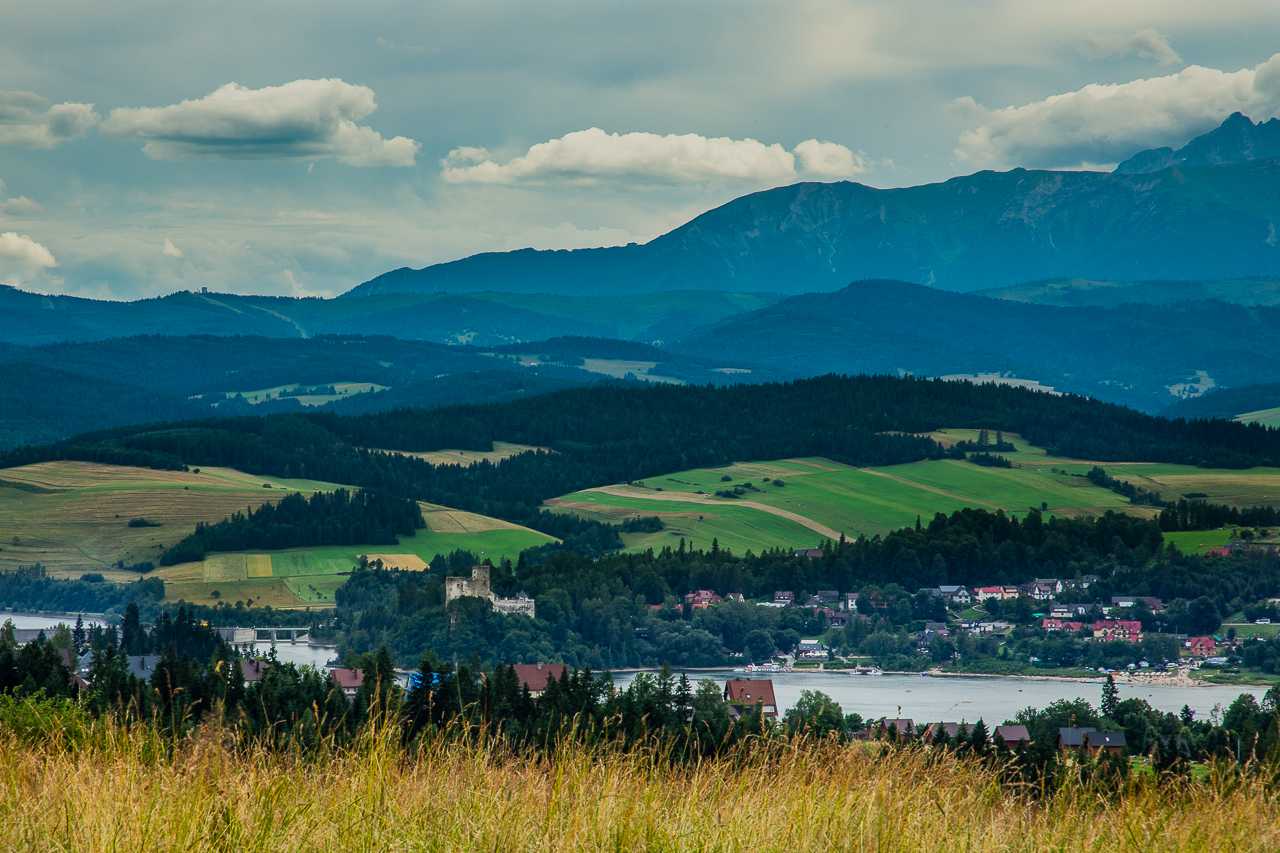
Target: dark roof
(142,666)
(1104,739)
(749,691)
(1012,734)
(536,675)
(904,726)
(1072,736)
(952,730)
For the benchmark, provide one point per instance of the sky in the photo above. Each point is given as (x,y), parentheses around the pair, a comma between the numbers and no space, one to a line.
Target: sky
(300,148)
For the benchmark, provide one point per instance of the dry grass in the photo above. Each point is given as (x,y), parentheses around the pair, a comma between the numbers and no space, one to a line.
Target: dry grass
(119,792)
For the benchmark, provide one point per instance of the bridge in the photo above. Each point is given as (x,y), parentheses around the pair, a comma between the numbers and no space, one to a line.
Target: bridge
(264,634)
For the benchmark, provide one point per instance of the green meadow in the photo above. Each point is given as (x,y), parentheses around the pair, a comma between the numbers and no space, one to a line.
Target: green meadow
(799,502)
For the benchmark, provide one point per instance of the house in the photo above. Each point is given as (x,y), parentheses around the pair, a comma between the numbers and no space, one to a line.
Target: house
(1051,625)
(1202,647)
(1013,737)
(1154,604)
(535,676)
(478,586)
(1001,593)
(142,666)
(1043,589)
(1118,630)
(811,650)
(1066,611)
(901,728)
(744,693)
(998,626)
(784,598)
(837,618)
(347,680)
(735,597)
(1091,740)
(252,669)
(952,731)
(955,594)
(809,553)
(701,599)
(828,597)
(935,629)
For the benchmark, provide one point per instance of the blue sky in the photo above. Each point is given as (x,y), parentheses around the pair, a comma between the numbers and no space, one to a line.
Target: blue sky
(300,148)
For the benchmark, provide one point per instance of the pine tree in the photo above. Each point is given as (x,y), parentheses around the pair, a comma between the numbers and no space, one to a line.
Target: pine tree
(1110,698)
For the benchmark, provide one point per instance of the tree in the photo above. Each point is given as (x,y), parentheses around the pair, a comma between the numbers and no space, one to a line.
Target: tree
(815,713)
(133,639)
(1110,698)
(979,738)
(759,645)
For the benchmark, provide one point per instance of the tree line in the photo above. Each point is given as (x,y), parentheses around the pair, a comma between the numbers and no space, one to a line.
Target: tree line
(340,517)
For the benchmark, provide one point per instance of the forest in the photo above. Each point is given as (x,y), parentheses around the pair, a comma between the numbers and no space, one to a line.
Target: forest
(339,517)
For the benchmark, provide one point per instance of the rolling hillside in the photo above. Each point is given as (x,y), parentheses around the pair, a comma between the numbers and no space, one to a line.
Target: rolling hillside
(792,503)
(1079,292)
(74,518)
(1142,358)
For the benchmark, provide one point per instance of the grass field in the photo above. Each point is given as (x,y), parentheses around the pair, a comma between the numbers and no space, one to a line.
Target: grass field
(1266,417)
(287,392)
(308,577)
(821,499)
(99,786)
(74,516)
(1198,541)
(501,450)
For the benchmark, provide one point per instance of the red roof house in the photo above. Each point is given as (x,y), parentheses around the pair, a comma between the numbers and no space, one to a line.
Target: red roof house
(743,693)
(536,675)
(1202,647)
(347,680)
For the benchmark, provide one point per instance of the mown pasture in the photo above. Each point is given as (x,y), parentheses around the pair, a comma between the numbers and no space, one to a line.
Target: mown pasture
(824,499)
(308,577)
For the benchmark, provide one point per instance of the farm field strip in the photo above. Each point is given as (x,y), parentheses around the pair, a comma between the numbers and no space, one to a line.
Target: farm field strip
(822,496)
(501,450)
(1266,417)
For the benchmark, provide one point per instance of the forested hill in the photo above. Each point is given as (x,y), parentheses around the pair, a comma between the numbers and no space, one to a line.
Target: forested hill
(609,434)
(988,229)
(1137,356)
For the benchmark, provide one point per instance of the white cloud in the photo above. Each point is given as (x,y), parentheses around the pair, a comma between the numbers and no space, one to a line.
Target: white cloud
(593,155)
(29,120)
(301,119)
(19,205)
(829,159)
(1147,44)
(170,250)
(1105,123)
(22,258)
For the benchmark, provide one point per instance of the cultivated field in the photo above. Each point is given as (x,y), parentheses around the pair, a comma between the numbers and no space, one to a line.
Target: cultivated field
(501,450)
(74,516)
(819,498)
(290,392)
(308,577)
(1266,417)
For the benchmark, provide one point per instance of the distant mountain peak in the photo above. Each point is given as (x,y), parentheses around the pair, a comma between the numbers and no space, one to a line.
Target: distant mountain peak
(1238,139)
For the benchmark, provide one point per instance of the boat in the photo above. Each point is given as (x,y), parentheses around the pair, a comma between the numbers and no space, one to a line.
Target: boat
(866,670)
(771,666)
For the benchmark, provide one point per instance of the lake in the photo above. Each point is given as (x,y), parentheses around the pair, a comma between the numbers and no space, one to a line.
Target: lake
(957,698)
(46,620)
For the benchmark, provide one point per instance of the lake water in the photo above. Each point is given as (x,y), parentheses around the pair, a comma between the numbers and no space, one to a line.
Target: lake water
(993,699)
(301,654)
(46,620)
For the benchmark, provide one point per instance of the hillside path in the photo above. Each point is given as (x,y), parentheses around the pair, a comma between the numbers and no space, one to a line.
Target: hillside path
(695,498)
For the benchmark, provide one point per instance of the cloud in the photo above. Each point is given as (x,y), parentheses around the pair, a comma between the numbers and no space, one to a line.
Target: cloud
(1105,123)
(301,119)
(19,205)
(29,120)
(593,155)
(1146,44)
(22,258)
(170,250)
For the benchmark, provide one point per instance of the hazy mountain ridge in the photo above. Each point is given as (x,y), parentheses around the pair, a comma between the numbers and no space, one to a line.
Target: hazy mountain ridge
(1115,354)
(1237,140)
(989,229)
(1079,292)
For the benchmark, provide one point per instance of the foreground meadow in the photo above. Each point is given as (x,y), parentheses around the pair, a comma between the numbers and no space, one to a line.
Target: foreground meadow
(129,789)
